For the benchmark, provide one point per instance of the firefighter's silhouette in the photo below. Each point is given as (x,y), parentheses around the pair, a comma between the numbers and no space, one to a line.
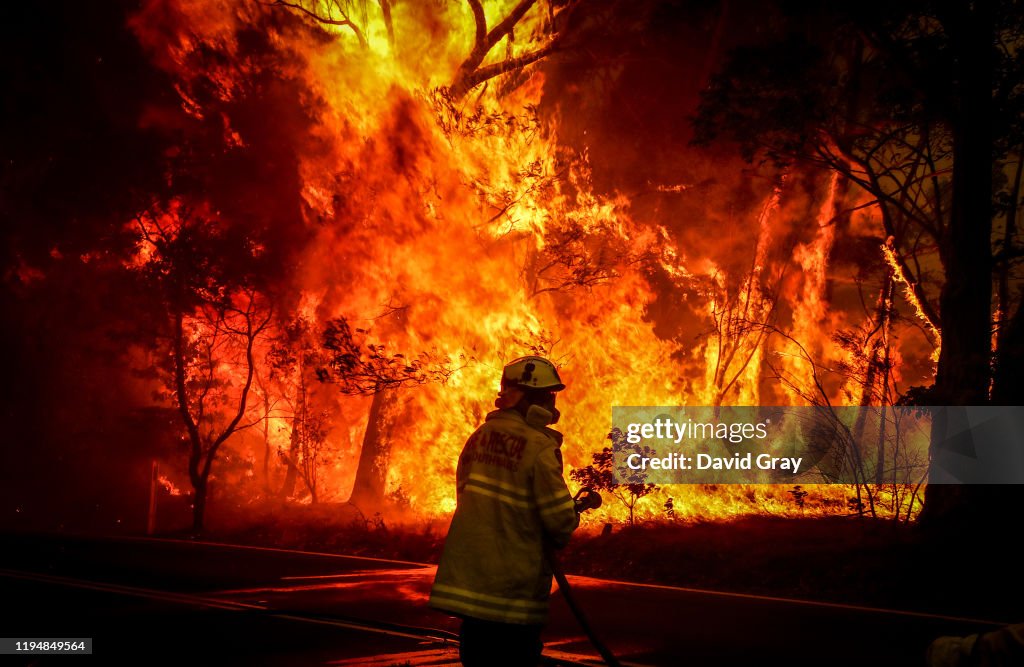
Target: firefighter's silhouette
(512,500)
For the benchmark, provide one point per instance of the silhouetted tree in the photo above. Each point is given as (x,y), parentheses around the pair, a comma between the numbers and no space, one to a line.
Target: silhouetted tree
(213,318)
(472,72)
(359,367)
(604,475)
(294,359)
(799,496)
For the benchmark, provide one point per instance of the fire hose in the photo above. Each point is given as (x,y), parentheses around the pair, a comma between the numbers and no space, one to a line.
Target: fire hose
(586,499)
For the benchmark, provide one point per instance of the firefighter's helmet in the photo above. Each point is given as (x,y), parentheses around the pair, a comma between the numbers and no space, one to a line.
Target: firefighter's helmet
(532,373)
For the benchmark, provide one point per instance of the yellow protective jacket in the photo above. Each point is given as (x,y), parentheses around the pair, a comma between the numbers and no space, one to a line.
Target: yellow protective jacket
(511,499)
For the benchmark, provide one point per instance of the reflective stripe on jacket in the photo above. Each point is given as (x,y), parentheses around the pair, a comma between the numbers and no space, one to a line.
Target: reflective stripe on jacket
(511,498)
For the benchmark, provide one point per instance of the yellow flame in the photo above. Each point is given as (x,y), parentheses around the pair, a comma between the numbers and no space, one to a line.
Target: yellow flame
(461,227)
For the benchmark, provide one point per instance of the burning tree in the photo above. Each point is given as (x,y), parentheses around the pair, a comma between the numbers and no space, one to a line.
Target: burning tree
(604,475)
(358,367)
(308,451)
(294,360)
(742,315)
(473,71)
(212,321)
(842,446)
(919,104)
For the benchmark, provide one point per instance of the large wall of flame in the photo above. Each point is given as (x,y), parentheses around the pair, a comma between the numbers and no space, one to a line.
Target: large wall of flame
(399,218)
(376,206)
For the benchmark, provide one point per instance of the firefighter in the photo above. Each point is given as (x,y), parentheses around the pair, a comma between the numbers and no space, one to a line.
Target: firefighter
(512,502)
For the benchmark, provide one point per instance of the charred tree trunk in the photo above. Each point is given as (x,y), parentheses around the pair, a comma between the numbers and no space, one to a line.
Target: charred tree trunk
(195,458)
(1007,389)
(879,365)
(880,457)
(266,443)
(290,477)
(964,369)
(309,446)
(371,473)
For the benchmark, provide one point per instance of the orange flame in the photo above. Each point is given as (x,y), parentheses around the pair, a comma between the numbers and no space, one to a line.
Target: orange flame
(464,228)
(169,485)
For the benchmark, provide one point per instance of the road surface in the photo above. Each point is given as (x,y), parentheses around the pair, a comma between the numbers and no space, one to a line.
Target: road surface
(180,602)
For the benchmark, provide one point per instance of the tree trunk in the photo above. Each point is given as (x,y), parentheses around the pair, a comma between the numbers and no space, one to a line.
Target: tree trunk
(371,473)
(966,298)
(266,443)
(1006,390)
(288,488)
(1008,387)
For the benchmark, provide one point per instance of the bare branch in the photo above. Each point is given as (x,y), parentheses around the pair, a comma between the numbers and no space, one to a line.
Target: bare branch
(470,74)
(506,26)
(326,20)
(490,71)
(481,28)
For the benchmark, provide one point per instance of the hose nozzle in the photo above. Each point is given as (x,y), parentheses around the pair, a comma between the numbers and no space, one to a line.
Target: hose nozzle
(587,499)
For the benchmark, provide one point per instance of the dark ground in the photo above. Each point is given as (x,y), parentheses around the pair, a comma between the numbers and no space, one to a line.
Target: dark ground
(180,602)
(840,559)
